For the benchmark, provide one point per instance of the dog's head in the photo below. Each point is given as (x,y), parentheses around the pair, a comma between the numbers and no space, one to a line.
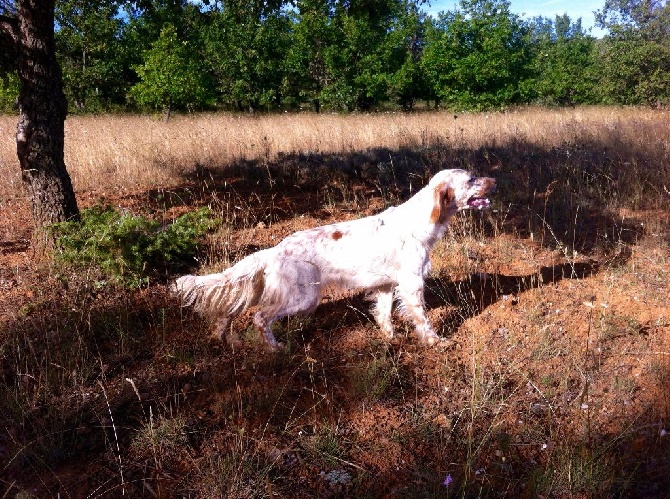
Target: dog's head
(456,190)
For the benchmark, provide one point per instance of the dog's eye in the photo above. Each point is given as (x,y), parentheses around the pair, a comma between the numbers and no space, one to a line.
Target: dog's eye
(472,180)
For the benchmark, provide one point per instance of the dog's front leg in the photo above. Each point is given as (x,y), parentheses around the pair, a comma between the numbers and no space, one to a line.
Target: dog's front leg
(382,310)
(410,293)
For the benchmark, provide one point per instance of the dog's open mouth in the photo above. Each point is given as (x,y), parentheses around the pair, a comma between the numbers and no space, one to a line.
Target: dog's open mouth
(480,188)
(478,203)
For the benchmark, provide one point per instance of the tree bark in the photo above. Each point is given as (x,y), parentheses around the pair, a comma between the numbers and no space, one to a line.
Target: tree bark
(40,133)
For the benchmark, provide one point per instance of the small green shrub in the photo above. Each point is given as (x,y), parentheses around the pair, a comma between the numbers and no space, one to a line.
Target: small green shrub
(129,248)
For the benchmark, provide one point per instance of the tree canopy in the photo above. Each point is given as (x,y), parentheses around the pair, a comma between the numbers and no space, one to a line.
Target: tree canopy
(354,55)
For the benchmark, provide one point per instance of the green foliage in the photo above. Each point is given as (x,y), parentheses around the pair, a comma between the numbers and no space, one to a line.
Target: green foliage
(355,55)
(356,78)
(89,55)
(635,70)
(649,18)
(477,57)
(565,63)
(9,92)
(403,50)
(343,55)
(171,75)
(305,60)
(127,248)
(246,46)
(635,58)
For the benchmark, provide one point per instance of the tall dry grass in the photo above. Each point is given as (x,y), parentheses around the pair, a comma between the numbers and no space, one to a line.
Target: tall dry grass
(109,152)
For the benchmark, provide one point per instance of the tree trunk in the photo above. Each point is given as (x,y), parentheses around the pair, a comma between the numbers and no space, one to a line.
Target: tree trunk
(166,113)
(40,134)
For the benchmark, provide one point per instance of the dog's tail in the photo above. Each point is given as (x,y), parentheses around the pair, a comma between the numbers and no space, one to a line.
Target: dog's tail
(228,293)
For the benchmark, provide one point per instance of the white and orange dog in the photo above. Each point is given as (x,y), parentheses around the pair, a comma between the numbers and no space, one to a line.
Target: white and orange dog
(386,255)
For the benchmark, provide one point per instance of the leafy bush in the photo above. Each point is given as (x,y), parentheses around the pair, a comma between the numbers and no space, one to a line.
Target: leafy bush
(128,248)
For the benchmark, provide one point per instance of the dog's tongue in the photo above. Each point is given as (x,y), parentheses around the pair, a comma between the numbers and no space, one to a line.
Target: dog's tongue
(479,203)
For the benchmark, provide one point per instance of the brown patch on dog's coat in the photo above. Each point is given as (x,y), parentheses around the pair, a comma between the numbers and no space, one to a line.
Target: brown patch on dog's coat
(337,235)
(490,185)
(443,196)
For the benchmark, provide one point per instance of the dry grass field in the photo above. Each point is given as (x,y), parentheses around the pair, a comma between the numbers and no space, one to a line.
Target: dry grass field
(553,383)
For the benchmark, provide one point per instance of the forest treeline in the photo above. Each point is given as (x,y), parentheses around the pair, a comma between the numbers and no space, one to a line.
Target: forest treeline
(351,55)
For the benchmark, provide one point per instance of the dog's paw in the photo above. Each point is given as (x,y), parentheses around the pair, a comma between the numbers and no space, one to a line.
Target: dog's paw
(387,334)
(432,340)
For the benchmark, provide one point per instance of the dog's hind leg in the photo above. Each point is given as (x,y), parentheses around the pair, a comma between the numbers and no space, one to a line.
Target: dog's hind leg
(264,323)
(265,317)
(223,331)
(293,289)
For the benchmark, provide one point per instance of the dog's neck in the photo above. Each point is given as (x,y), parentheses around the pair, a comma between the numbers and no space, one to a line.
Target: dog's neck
(415,215)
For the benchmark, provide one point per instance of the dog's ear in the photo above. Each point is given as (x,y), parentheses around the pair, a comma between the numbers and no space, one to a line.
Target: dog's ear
(443,199)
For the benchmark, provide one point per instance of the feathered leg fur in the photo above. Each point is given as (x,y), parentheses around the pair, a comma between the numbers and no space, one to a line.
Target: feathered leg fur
(225,295)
